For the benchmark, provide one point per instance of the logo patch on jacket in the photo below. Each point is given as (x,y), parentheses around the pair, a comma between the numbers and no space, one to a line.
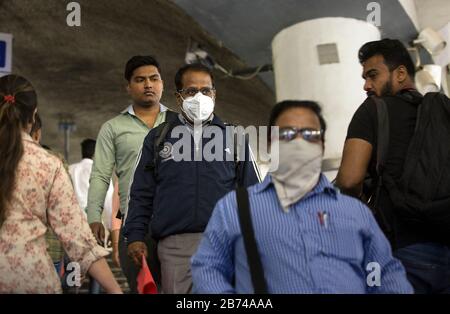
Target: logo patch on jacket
(166,152)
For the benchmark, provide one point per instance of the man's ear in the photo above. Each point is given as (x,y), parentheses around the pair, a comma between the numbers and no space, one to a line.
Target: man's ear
(127,87)
(401,74)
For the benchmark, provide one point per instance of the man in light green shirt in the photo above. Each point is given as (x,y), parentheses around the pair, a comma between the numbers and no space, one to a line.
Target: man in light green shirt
(118,145)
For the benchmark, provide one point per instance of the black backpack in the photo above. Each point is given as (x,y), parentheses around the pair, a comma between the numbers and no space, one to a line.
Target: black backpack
(422,194)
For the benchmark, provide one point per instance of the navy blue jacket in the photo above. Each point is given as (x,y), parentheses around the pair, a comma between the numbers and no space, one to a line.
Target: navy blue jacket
(182,196)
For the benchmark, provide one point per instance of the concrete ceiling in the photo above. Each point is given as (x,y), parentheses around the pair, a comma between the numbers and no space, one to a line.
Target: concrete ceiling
(247,27)
(433,13)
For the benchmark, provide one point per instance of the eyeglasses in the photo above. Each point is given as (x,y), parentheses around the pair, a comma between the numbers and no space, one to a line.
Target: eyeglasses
(308,134)
(192,91)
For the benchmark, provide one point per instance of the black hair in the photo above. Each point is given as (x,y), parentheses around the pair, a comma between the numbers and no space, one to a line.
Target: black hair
(195,67)
(139,61)
(283,106)
(393,51)
(88,148)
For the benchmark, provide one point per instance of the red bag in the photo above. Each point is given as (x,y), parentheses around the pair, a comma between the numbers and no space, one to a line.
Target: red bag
(145,282)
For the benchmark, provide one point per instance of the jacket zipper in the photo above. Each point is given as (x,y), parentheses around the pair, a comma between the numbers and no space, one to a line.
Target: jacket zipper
(196,192)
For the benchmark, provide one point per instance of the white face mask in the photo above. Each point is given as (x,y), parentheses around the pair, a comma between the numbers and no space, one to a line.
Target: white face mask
(199,107)
(300,164)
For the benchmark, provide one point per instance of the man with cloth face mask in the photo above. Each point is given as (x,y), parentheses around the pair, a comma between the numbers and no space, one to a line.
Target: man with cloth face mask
(310,237)
(176,197)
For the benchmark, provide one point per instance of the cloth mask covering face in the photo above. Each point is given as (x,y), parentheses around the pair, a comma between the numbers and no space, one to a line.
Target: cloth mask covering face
(300,164)
(198,108)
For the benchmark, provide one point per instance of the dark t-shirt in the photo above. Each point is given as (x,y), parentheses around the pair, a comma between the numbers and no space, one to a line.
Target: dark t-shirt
(402,118)
(402,113)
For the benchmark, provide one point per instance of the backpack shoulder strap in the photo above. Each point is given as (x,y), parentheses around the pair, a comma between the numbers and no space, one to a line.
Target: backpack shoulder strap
(382,151)
(158,143)
(382,133)
(171,115)
(164,128)
(253,257)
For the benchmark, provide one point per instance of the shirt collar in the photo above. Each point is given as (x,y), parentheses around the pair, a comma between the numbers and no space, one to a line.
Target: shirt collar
(323,186)
(130,109)
(264,184)
(216,121)
(213,120)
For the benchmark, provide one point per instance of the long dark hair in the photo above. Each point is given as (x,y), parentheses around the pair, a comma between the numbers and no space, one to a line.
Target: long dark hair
(18,102)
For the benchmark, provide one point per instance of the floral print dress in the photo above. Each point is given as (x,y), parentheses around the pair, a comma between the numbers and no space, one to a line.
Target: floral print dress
(43,198)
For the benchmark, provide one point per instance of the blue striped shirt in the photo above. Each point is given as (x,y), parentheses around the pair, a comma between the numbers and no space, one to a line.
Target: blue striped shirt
(301,252)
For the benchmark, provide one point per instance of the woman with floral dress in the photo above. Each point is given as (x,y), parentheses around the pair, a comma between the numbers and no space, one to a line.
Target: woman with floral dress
(36,194)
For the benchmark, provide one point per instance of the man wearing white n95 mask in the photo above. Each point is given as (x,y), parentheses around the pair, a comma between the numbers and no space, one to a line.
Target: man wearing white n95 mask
(307,237)
(199,107)
(173,196)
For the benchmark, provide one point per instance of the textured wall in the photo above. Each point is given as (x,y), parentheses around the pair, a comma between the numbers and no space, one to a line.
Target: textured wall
(79,70)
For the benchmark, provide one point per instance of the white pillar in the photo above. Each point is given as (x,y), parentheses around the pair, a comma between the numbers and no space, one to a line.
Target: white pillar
(336,86)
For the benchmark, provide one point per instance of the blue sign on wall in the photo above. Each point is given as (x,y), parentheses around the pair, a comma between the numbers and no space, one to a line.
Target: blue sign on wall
(2,53)
(5,53)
